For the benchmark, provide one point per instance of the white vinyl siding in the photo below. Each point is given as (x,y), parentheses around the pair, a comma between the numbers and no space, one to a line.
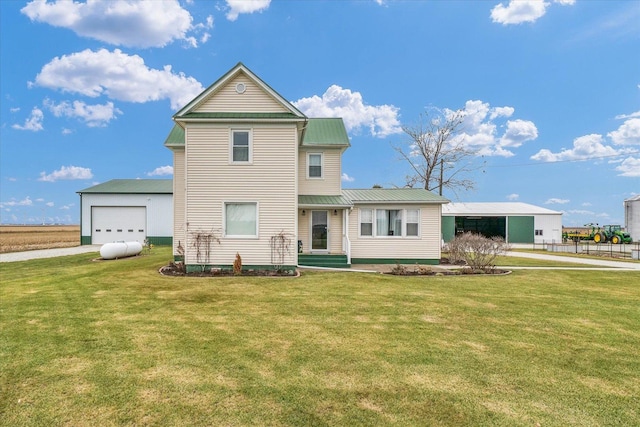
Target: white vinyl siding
(270,182)
(330,184)
(335,231)
(253,100)
(426,246)
(179,227)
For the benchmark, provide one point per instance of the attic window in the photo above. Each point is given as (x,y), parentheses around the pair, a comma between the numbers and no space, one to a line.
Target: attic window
(240,88)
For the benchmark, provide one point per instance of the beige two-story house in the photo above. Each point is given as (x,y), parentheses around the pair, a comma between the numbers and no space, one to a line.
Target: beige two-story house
(256,177)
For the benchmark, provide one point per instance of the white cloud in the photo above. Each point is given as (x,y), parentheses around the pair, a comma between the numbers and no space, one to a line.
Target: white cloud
(50,204)
(117,75)
(33,122)
(629,167)
(347,178)
(556,201)
(66,173)
(519,11)
(513,197)
(141,23)
(93,115)
(584,147)
(236,7)
(13,202)
(518,131)
(627,134)
(628,116)
(480,129)
(381,120)
(162,170)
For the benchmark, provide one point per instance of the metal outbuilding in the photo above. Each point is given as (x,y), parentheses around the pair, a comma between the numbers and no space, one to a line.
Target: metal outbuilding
(516,222)
(632,217)
(127,210)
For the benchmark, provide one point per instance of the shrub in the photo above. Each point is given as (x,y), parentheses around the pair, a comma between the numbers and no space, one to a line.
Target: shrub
(477,251)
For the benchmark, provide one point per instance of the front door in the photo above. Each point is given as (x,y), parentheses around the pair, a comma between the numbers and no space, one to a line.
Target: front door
(319,227)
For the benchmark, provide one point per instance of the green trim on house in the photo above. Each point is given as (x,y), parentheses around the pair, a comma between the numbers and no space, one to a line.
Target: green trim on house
(240,116)
(85,240)
(421,261)
(195,268)
(325,132)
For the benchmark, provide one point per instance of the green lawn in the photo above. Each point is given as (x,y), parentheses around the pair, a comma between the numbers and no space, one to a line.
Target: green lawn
(114,343)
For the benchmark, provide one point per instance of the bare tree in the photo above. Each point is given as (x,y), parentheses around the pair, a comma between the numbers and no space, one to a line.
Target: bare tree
(436,152)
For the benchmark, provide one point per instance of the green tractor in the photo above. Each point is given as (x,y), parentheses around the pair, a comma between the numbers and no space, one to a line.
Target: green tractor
(610,233)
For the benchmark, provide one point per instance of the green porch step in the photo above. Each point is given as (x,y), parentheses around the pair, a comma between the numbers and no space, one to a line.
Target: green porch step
(330,261)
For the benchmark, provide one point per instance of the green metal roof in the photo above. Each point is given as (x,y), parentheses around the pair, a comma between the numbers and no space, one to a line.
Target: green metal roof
(132,186)
(311,200)
(328,132)
(176,137)
(393,195)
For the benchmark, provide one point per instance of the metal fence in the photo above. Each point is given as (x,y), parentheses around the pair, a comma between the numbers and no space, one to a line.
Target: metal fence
(622,251)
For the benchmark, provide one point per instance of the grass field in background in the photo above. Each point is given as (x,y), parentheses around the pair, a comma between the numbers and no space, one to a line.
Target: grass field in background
(88,342)
(15,238)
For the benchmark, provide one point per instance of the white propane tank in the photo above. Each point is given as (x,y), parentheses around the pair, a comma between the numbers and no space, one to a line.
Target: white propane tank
(120,250)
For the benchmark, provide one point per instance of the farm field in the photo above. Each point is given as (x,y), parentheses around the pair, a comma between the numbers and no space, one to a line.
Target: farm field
(16,238)
(89,342)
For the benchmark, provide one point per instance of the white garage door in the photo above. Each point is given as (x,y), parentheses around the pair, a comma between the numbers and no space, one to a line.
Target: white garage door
(118,223)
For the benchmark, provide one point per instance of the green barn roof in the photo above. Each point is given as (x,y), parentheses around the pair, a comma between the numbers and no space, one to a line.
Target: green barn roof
(132,186)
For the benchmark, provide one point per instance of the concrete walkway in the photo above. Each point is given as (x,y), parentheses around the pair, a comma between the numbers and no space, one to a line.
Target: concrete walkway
(48,253)
(601,263)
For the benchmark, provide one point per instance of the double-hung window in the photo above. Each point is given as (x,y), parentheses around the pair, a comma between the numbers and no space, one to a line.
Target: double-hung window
(240,146)
(413,222)
(314,160)
(366,222)
(241,219)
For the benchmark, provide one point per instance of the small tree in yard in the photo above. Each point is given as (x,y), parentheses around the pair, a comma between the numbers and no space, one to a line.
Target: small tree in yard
(237,265)
(477,251)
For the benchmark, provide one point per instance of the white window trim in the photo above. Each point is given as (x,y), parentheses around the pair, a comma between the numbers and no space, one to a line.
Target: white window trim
(224,219)
(318,153)
(374,230)
(407,223)
(231,133)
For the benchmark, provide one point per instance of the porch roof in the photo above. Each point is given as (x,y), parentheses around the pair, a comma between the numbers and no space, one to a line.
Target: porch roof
(309,201)
(393,195)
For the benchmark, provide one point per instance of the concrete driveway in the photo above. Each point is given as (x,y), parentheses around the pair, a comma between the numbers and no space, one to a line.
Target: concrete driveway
(48,253)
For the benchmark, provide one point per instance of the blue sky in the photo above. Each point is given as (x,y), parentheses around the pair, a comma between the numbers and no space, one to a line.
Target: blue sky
(550,90)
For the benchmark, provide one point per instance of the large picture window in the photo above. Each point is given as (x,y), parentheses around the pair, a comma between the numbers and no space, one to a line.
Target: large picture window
(315,165)
(241,219)
(389,222)
(240,146)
